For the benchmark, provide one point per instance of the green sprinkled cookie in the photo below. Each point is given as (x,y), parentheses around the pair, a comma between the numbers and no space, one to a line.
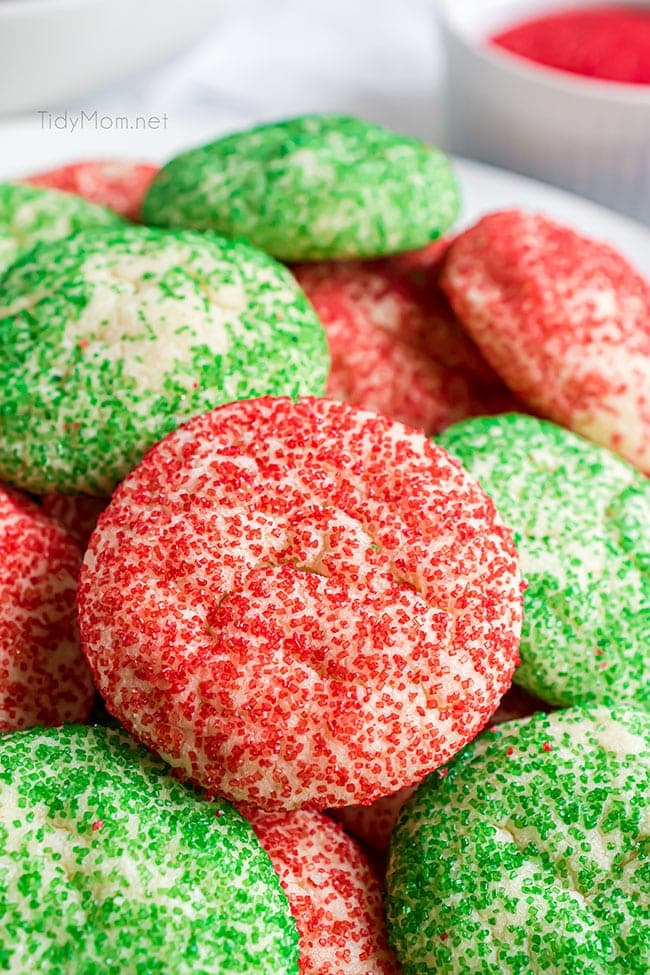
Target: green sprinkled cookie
(529,852)
(110,341)
(108,864)
(309,188)
(29,214)
(581,522)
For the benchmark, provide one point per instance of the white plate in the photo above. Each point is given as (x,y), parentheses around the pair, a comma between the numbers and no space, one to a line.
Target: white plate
(27,148)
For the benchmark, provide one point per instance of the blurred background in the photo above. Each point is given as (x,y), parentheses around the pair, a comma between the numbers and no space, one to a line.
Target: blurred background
(219,59)
(198,67)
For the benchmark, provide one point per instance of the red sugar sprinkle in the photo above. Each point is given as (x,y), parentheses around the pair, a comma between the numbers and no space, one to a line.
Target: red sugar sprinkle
(333,893)
(44,679)
(97,825)
(564,320)
(547,747)
(444,935)
(610,43)
(395,344)
(510,750)
(361,619)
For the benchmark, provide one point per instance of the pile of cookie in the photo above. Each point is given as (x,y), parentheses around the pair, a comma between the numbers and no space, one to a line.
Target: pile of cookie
(296,484)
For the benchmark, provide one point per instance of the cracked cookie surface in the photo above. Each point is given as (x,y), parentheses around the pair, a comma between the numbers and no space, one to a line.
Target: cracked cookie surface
(300,603)
(108,342)
(108,864)
(528,852)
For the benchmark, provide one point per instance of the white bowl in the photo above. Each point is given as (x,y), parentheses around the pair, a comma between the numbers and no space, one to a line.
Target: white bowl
(51,50)
(588,136)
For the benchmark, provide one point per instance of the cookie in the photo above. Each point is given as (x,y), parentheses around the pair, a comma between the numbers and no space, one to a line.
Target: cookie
(44,678)
(78,513)
(110,341)
(29,215)
(581,521)
(374,824)
(529,855)
(334,895)
(395,344)
(110,865)
(300,603)
(564,320)
(120,186)
(310,188)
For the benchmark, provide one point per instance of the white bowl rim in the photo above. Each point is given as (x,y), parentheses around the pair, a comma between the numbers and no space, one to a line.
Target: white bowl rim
(556,79)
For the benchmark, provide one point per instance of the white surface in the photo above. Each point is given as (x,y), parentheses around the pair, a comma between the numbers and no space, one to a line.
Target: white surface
(483,188)
(57,49)
(591,137)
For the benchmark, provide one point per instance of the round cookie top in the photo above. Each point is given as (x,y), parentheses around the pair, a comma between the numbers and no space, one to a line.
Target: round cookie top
(119,185)
(110,341)
(310,188)
(564,320)
(109,864)
(528,854)
(29,214)
(44,678)
(300,603)
(581,522)
(334,894)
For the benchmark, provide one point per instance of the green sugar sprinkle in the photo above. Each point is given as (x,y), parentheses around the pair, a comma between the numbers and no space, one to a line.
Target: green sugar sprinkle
(581,521)
(108,864)
(309,188)
(531,854)
(110,341)
(29,215)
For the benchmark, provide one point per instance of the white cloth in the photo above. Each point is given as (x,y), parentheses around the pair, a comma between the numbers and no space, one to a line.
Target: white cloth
(379,59)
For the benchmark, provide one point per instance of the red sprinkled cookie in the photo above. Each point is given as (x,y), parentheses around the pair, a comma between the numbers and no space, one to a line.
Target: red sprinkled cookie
(395,344)
(301,603)
(564,320)
(44,678)
(120,186)
(76,512)
(333,893)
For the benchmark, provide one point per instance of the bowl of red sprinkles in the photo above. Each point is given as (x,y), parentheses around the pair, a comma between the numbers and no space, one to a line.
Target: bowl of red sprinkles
(554,89)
